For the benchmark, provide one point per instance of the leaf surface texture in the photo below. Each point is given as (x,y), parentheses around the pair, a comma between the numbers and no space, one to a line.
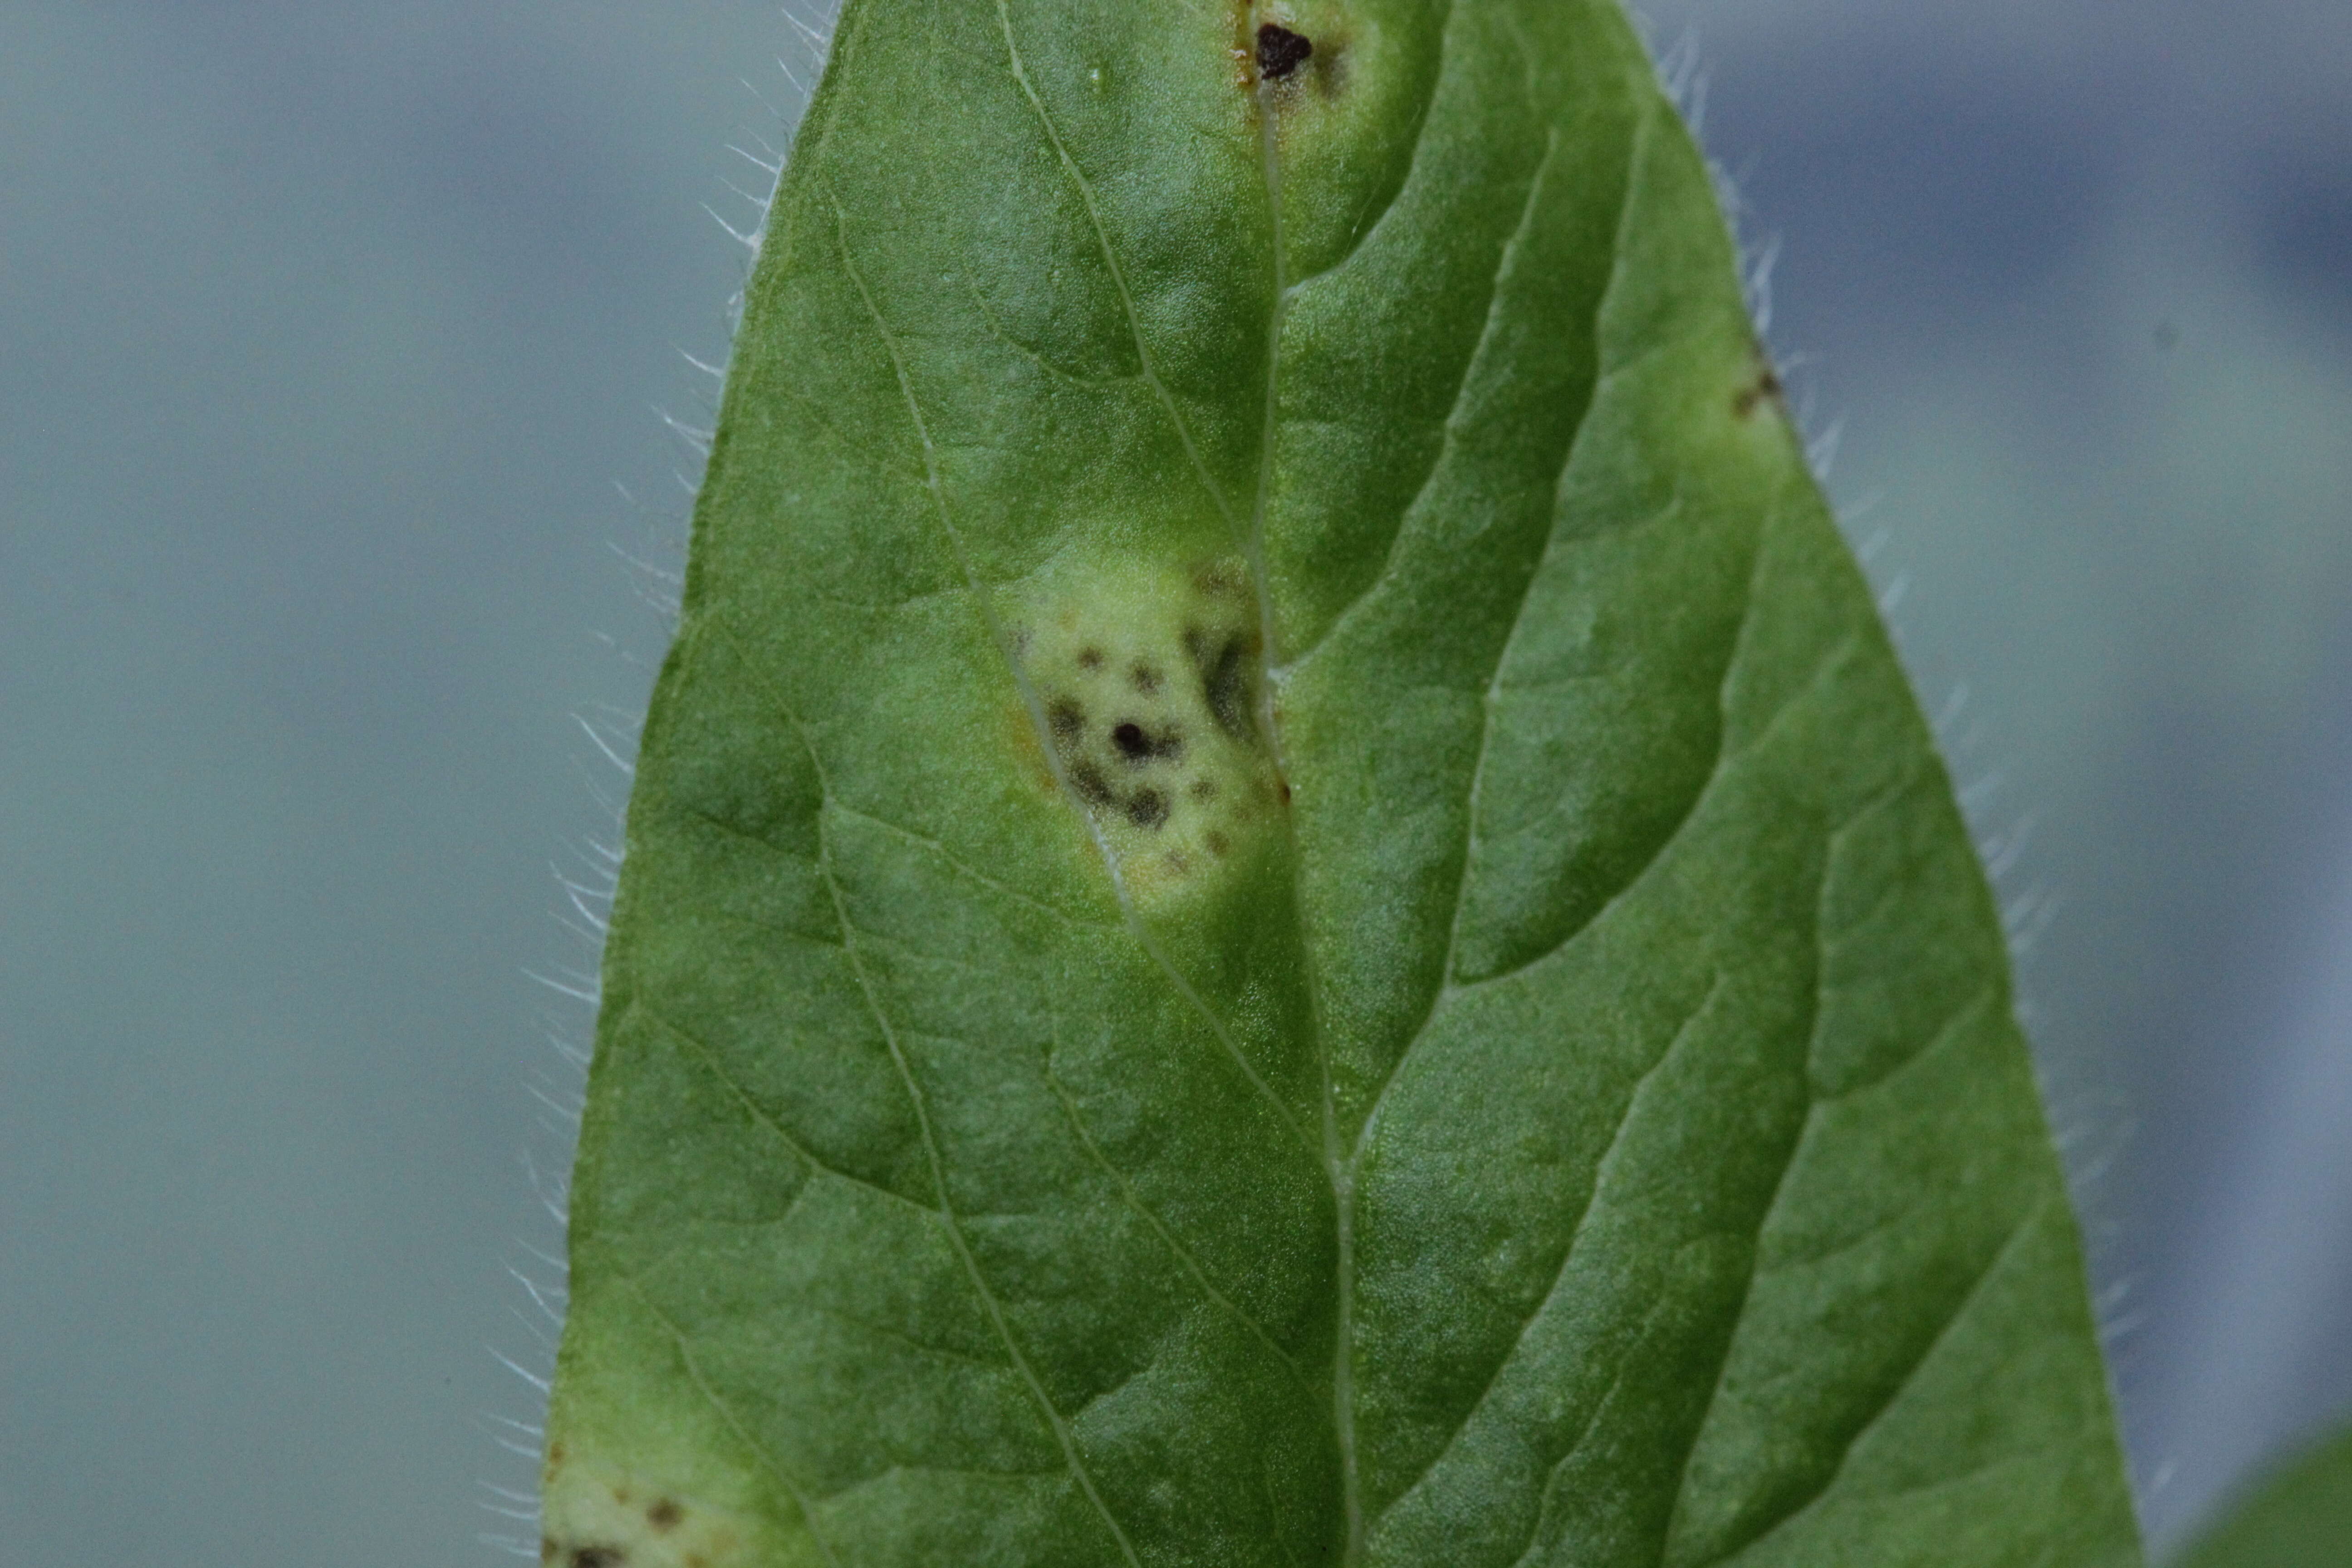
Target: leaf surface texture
(1283,903)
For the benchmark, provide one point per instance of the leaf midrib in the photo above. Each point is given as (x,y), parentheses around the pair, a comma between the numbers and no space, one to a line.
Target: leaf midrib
(1340,1157)
(1338,1170)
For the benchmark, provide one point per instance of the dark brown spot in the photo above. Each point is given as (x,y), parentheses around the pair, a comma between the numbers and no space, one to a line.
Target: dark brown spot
(1221,579)
(1766,384)
(1147,808)
(664,1514)
(1091,658)
(1092,787)
(1066,719)
(1204,789)
(1280,51)
(598,1557)
(1285,788)
(1217,845)
(1146,678)
(1224,683)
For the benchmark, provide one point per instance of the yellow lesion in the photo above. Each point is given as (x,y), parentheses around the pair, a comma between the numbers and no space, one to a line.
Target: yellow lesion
(597,1517)
(1146,678)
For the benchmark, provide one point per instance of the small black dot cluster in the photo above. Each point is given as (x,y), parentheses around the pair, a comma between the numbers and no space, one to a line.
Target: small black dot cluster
(1123,739)
(1147,684)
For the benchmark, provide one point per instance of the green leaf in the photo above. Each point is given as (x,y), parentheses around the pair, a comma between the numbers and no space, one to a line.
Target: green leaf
(2300,1517)
(1283,903)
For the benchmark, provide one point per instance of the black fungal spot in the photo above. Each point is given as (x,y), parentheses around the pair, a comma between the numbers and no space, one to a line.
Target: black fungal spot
(1139,745)
(1217,845)
(1146,678)
(1147,808)
(1204,789)
(664,1514)
(598,1557)
(1066,719)
(1280,52)
(1092,787)
(1091,658)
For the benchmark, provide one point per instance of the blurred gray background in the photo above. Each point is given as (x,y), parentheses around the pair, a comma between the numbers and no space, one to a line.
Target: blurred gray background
(327,330)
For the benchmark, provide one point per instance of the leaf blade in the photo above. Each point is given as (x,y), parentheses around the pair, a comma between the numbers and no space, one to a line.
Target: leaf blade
(1284,904)
(2299,1512)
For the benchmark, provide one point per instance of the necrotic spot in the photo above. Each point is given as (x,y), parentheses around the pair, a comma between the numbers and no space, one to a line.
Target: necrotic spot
(1068,719)
(1223,681)
(664,1514)
(1092,787)
(1280,51)
(1140,745)
(1147,808)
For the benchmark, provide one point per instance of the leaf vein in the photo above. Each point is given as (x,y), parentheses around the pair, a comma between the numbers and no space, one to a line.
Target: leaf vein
(1724,761)
(1502,657)
(1601,1173)
(1371,222)
(1449,426)
(1159,1227)
(1035,706)
(719,1070)
(938,1164)
(743,1433)
(1110,262)
(968,869)
(1894,1395)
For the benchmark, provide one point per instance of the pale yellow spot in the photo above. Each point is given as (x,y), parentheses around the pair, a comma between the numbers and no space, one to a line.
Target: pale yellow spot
(1148,680)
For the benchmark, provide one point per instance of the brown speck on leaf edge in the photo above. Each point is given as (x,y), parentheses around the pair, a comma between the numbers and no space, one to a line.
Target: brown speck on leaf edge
(1766,386)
